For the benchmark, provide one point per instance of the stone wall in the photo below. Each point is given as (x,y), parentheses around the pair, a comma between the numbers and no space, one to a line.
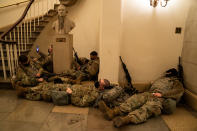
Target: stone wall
(189,56)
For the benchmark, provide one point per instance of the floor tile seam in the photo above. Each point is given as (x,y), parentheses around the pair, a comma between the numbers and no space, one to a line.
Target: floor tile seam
(168,126)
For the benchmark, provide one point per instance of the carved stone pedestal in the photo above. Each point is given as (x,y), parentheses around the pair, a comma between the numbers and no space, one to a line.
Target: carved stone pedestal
(62,53)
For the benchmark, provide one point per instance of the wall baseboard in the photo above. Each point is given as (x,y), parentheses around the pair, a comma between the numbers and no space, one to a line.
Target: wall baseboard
(190,99)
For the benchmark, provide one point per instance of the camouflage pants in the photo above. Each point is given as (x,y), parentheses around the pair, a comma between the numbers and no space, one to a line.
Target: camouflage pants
(115,96)
(141,106)
(36,93)
(77,74)
(83,95)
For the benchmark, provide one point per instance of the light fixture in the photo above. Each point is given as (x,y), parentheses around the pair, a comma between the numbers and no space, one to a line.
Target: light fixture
(154,3)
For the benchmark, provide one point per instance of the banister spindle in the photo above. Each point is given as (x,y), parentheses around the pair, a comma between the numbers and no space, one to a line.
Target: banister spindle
(12,60)
(34,17)
(15,56)
(19,48)
(3,62)
(21,37)
(8,57)
(30,20)
(14,34)
(24,32)
(38,13)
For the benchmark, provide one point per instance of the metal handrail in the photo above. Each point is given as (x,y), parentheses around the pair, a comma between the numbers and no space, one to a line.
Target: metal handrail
(21,18)
(15,4)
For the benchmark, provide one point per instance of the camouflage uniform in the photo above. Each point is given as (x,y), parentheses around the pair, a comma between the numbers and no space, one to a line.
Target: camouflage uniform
(88,71)
(140,107)
(81,95)
(115,96)
(46,61)
(26,75)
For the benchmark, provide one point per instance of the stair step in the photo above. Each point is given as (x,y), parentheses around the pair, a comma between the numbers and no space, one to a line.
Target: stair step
(2,80)
(36,32)
(5,84)
(23,37)
(8,41)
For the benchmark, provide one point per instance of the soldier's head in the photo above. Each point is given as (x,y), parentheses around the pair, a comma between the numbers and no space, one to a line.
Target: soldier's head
(93,55)
(24,60)
(61,10)
(171,73)
(102,84)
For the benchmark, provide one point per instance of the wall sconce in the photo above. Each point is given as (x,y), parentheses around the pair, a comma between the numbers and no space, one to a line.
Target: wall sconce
(154,3)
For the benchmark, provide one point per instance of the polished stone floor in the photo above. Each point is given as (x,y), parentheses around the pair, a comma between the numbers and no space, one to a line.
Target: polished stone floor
(22,115)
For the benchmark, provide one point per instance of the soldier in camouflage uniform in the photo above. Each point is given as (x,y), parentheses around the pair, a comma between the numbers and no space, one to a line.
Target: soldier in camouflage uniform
(46,61)
(113,95)
(28,73)
(80,95)
(139,107)
(87,71)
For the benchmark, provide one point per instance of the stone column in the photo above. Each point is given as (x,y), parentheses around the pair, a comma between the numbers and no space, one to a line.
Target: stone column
(110,35)
(62,53)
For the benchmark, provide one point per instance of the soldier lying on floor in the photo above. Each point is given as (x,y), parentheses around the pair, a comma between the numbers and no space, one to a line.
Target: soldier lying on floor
(61,94)
(162,96)
(113,95)
(78,95)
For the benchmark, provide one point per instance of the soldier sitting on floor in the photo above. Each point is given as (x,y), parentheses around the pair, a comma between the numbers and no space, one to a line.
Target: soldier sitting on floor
(165,91)
(28,72)
(87,71)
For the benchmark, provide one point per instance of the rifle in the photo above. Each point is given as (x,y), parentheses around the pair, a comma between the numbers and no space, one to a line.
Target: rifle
(76,57)
(131,90)
(180,71)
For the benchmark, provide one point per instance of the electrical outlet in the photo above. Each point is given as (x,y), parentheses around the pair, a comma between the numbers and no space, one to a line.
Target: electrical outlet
(178,30)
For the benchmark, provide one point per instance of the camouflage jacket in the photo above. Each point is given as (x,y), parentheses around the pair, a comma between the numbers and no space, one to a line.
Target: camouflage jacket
(115,96)
(26,76)
(93,67)
(82,95)
(169,87)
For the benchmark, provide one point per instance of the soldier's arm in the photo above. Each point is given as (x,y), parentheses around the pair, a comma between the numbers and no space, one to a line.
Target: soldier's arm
(23,79)
(93,68)
(176,92)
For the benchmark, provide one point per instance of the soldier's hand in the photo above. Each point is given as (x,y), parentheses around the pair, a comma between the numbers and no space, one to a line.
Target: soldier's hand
(69,91)
(40,80)
(157,94)
(38,75)
(35,59)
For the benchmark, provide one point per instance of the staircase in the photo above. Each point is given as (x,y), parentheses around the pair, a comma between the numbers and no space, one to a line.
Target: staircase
(20,41)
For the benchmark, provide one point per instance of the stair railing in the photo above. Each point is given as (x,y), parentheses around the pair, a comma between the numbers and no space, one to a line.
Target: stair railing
(15,40)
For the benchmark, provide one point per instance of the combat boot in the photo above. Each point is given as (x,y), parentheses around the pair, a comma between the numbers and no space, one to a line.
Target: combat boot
(20,91)
(109,114)
(46,97)
(120,121)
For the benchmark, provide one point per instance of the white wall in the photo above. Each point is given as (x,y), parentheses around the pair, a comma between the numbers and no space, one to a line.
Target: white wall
(149,43)
(110,30)
(10,15)
(86,15)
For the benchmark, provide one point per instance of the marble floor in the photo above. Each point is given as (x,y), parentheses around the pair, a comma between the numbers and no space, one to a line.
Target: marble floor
(18,114)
